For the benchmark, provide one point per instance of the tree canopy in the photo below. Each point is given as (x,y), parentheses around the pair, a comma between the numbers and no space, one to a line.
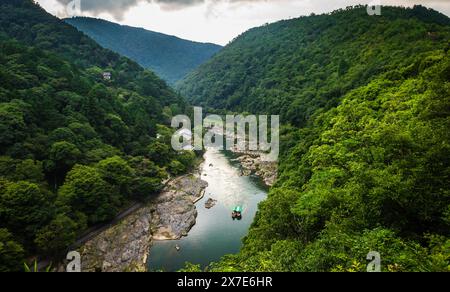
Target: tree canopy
(364,103)
(170,57)
(72,143)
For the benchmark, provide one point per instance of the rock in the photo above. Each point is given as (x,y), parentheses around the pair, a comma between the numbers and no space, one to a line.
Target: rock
(210,203)
(175,212)
(174,218)
(123,247)
(189,185)
(253,164)
(246,172)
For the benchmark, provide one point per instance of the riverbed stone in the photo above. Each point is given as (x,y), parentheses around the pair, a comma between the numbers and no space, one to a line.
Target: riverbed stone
(253,164)
(122,247)
(125,246)
(210,203)
(175,212)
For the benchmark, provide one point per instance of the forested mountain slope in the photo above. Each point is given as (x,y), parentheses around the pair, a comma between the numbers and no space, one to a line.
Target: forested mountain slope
(372,174)
(295,67)
(170,57)
(365,142)
(75,148)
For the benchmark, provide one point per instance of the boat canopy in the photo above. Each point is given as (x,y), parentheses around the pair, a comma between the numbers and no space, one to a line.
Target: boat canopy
(238,209)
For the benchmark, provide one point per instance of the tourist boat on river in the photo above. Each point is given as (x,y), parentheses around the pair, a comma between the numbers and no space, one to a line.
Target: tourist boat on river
(237,213)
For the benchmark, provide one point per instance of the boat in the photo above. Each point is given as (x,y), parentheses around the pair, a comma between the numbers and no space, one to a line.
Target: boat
(237,213)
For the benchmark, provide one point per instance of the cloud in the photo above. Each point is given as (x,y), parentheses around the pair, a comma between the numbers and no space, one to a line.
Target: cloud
(118,8)
(217,21)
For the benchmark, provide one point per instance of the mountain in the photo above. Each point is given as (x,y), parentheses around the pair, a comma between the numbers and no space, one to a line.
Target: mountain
(170,57)
(294,67)
(364,103)
(78,128)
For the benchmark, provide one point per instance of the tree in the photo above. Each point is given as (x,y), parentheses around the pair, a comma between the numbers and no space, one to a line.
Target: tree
(62,157)
(62,135)
(85,131)
(29,170)
(60,233)
(12,125)
(11,253)
(115,131)
(7,166)
(191,268)
(24,208)
(56,111)
(187,158)
(116,172)
(86,191)
(176,167)
(100,152)
(144,167)
(144,187)
(159,153)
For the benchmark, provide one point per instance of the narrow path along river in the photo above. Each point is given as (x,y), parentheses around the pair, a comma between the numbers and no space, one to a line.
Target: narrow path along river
(215,233)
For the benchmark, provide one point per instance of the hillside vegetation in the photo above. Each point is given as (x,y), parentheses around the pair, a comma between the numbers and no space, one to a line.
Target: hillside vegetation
(365,142)
(75,149)
(296,67)
(169,57)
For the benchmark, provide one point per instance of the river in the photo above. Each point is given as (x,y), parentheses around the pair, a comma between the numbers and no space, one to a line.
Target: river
(215,233)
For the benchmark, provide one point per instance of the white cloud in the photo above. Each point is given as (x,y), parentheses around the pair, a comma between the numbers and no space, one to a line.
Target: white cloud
(216,21)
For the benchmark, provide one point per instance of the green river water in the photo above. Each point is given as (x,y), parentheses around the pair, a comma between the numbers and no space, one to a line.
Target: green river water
(215,233)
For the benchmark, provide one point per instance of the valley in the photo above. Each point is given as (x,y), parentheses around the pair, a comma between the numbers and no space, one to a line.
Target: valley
(215,233)
(171,58)
(174,229)
(90,117)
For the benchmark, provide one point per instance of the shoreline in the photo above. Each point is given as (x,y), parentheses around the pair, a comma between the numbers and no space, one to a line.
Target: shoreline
(126,245)
(252,163)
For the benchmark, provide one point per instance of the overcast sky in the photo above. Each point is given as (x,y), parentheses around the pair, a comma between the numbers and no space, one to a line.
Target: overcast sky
(216,21)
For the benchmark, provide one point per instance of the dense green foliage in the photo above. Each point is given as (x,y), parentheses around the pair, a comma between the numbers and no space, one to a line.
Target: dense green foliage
(365,138)
(11,253)
(170,57)
(371,175)
(75,149)
(296,67)
(365,143)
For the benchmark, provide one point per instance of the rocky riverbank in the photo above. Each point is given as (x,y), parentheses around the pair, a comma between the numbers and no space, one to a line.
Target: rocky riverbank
(254,164)
(175,212)
(170,216)
(125,246)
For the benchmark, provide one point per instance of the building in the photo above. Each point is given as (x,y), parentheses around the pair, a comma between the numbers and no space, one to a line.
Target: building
(107,76)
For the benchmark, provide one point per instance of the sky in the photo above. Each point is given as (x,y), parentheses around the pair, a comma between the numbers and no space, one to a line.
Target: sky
(215,21)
